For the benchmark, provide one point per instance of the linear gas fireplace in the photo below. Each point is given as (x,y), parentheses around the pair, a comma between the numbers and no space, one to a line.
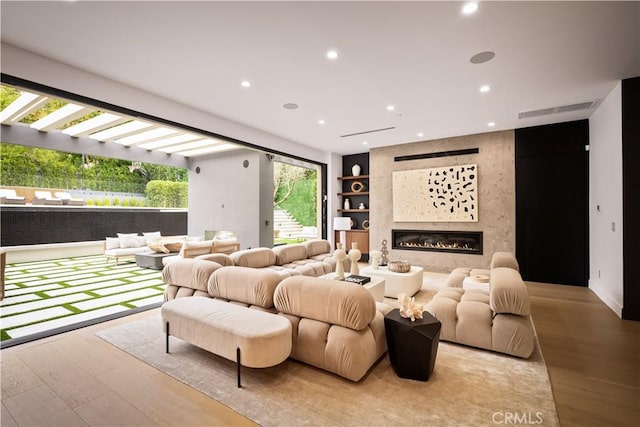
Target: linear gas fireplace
(463,242)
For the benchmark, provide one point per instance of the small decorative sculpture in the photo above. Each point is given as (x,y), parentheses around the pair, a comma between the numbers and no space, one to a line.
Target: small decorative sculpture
(356,169)
(340,255)
(354,256)
(362,206)
(375,259)
(347,204)
(384,252)
(409,309)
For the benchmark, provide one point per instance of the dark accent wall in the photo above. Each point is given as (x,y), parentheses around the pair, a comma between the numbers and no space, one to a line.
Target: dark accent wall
(26,225)
(348,161)
(552,194)
(631,197)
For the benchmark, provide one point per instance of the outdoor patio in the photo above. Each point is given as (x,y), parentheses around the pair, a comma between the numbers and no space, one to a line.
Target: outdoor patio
(45,295)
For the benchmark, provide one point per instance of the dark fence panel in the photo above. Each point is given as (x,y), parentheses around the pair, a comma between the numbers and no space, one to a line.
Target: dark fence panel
(26,225)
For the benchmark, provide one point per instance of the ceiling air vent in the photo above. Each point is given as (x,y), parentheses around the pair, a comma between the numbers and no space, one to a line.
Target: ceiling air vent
(367,131)
(557,110)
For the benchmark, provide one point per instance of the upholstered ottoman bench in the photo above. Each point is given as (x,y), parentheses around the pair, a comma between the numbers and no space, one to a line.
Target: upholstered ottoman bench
(251,338)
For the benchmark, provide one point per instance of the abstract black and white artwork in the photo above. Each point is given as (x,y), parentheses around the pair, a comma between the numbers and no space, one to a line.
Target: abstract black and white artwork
(446,194)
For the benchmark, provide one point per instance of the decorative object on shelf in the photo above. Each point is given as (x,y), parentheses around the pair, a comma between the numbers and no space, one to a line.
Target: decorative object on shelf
(399,266)
(365,224)
(342,224)
(356,169)
(357,186)
(383,253)
(408,308)
(353,223)
(347,204)
(375,255)
(354,256)
(362,206)
(340,255)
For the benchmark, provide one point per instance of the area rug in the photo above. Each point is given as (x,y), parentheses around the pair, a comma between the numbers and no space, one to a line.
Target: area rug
(468,386)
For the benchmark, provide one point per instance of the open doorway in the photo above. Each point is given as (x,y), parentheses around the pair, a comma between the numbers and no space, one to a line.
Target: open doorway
(296,205)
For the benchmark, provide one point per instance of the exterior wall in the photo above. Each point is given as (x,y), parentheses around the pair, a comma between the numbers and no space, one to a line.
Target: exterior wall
(496,192)
(43,225)
(228,196)
(605,201)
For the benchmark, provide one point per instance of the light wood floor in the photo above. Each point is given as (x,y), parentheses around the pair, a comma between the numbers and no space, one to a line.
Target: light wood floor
(78,379)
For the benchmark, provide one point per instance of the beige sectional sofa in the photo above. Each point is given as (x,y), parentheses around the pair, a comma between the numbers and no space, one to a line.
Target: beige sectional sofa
(498,320)
(336,326)
(311,258)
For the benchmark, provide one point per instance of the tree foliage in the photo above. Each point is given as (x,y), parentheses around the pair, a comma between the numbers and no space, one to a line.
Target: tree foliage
(167,194)
(285,178)
(39,167)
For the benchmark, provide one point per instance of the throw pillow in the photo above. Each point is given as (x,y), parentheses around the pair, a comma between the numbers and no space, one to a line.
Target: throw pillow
(112,243)
(126,235)
(128,242)
(153,235)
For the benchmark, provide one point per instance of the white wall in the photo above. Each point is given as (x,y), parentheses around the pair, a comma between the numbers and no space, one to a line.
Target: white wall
(227,196)
(605,201)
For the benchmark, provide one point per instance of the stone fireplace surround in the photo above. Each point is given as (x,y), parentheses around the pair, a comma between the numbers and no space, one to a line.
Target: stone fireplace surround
(496,192)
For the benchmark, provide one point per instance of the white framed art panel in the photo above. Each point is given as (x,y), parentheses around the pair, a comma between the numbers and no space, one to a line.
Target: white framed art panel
(445,194)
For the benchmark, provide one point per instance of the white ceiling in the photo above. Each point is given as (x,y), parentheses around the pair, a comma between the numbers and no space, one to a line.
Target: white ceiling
(414,55)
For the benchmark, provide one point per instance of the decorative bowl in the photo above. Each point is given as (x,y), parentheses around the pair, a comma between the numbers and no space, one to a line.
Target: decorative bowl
(399,266)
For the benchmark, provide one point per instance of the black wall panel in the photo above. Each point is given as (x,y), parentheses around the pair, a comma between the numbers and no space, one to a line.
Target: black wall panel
(28,225)
(552,193)
(631,191)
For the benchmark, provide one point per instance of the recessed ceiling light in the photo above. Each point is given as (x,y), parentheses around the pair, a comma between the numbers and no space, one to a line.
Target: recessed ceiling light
(420,134)
(332,54)
(245,83)
(485,88)
(290,106)
(365,143)
(491,124)
(390,107)
(469,7)
(320,122)
(482,57)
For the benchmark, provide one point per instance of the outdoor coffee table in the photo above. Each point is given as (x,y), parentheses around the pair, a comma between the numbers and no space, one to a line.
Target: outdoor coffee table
(413,346)
(152,260)
(375,286)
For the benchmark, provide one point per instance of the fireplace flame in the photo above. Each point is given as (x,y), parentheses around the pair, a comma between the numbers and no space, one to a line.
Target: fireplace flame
(437,245)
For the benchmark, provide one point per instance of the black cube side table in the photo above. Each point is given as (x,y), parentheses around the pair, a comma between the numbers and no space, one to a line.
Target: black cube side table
(413,346)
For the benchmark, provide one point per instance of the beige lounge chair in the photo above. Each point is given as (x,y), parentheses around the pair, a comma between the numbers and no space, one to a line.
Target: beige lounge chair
(68,200)
(9,197)
(44,198)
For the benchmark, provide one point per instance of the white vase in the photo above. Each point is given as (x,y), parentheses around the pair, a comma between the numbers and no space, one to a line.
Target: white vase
(340,255)
(347,204)
(355,170)
(354,256)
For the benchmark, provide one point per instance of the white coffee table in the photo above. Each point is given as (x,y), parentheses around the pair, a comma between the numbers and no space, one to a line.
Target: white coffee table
(397,283)
(375,286)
